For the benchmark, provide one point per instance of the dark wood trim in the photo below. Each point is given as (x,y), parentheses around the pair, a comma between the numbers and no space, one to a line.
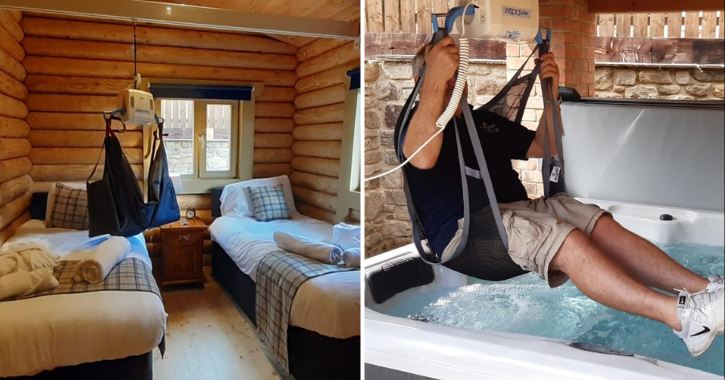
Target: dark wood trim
(382,44)
(642,6)
(660,50)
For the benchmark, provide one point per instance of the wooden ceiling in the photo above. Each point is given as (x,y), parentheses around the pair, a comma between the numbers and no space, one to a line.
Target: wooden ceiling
(335,10)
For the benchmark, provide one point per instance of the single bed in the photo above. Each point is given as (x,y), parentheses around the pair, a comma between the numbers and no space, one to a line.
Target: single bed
(93,335)
(324,329)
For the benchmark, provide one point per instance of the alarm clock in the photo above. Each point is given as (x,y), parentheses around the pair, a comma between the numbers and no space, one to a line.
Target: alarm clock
(190,213)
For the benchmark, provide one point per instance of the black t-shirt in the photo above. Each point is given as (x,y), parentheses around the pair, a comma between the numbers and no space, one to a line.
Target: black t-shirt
(437,193)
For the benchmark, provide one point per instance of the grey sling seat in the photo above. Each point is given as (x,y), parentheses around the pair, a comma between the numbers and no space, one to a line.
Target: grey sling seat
(483,248)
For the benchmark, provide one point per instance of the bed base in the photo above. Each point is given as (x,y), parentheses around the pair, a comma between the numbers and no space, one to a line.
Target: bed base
(312,356)
(133,367)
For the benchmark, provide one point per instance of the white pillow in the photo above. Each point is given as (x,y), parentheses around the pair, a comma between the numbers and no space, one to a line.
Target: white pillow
(346,236)
(236,200)
(51,196)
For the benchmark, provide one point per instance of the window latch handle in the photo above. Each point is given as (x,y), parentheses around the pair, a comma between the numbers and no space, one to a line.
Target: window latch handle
(202,141)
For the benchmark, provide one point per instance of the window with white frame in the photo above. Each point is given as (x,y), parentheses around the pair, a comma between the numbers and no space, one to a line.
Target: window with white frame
(202,137)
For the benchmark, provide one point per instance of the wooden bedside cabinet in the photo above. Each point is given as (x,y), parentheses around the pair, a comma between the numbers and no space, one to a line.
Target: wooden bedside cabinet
(182,260)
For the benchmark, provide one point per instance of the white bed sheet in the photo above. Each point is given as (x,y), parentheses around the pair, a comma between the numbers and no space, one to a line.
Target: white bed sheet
(327,304)
(42,333)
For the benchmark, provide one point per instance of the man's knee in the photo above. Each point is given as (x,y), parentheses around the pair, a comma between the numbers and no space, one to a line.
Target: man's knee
(606,227)
(574,245)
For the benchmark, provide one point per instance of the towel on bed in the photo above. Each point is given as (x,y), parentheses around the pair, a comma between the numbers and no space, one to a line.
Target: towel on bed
(27,260)
(22,283)
(346,236)
(100,260)
(316,250)
(351,257)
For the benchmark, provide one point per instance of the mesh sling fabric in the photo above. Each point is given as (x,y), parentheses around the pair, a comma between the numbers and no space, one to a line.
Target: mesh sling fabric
(483,250)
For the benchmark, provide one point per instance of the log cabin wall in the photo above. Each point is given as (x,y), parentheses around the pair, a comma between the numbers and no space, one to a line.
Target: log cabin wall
(76,68)
(321,92)
(14,145)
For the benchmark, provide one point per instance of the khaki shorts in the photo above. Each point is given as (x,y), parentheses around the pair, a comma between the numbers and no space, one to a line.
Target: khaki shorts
(536,230)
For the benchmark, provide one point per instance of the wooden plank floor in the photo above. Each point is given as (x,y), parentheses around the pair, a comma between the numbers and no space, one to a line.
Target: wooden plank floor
(207,338)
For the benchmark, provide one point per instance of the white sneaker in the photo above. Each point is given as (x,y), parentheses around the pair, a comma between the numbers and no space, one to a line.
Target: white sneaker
(717,282)
(703,318)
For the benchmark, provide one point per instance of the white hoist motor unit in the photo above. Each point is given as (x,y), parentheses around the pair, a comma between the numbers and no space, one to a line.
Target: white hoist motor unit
(503,20)
(137,106)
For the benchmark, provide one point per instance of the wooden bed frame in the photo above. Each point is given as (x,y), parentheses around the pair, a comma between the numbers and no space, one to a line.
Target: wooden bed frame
(133,367)
(312,356)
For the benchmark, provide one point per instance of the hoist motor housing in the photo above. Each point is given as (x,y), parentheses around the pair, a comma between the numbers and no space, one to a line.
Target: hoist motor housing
(138,106)
(502,20)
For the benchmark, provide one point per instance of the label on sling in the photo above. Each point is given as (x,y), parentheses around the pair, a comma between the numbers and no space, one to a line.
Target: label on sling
(554,177)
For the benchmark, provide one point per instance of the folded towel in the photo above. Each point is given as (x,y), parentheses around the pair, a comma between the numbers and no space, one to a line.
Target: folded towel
(27,260)
(351,257)
(95,266)
(316,250)
(22,283)
(346,236)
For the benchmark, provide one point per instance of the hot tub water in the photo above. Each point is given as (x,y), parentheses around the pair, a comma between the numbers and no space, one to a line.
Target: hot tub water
(526,305)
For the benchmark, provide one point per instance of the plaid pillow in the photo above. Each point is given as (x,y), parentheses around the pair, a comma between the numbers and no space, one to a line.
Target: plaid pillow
(268,203)
(70,209)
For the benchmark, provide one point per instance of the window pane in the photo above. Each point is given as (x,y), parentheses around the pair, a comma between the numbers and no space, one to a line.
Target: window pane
(218,137)
(178,118)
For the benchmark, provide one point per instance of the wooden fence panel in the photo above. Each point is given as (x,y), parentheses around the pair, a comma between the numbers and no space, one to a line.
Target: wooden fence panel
(657,25)
(674,22)
(692,24)
(623,23)
(440,6)
(606,24)
(407,16)
(374,16)
(424,17)
(392,16)
(641,21)
(709,21)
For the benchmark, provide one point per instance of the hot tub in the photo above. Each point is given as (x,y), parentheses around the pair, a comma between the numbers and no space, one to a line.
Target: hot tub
(404,339)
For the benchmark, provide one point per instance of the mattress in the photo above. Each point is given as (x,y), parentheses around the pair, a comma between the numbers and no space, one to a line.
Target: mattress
(42,333)
(328,304)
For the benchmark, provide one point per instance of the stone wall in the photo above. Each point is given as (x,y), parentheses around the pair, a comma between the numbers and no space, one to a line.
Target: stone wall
(387,86)
(180,154)
(655,83)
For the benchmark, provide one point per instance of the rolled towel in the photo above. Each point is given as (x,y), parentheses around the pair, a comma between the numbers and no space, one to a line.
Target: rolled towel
(24,283)
(346,236)
(27,260)
(351,257)
(95,266)
(316,250)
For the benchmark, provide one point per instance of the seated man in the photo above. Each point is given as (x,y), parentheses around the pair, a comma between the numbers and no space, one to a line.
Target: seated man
(558,238)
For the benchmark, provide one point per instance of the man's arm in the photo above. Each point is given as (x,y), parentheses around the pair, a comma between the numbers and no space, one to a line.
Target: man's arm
(441,65)
(549,69)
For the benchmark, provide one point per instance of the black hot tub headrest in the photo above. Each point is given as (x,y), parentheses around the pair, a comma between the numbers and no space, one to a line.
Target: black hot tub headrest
(397,276)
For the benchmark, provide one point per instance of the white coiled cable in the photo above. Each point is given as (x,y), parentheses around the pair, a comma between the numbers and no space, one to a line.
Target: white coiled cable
(450,110)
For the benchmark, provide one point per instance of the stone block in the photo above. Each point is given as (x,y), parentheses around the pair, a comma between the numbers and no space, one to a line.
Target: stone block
(390,158)
(488,86)
(603,79)
(387,91)
(374,202)
(709,75)
(408,84)
(374,156)
(393,180)
(479,69)
(396,229)
(718,90)
(698,89)
(669,89)
(619,88)
(370,102)
(499,71)
(372,119)
(682,77)
(391,114)
(372,71)
(608,95)
(482,99)
(655,76)
(386,138)
(398,70)
(679,97)
(395,197)
(371,143)
(401,213)
(641,92)
(372,239)
(626,77)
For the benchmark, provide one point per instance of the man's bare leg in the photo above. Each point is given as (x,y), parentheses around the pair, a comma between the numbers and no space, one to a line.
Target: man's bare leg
(601,279)
(643,260)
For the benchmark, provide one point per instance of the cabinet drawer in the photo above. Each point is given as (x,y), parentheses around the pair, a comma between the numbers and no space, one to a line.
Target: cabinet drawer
(184,238)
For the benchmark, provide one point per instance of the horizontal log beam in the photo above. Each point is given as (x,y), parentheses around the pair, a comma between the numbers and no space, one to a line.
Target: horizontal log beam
(322,97)
(78,156)
(11,67)
(274,110)
(60,173)
(11,45)
(320,115)
(14,188)
(270,170)
(10,24)
(320,132)
(328,60)
(316,182)
(78,67)
(277,94)
(318,47)
(324,166)
(9,230)
(14,168)
(77,30)
(645,6)
(320,149)
(12,87)
(12,127)
(81,139)
(270,125)
(272,155)
(72,121)
(327,78)
(44,187)
(12,107)
(315,198)
(56,47)
(13,209)
(197,201)
(70,103)
(49,84)
(216,58)
(268,77)
(314,212)
(14,148)
(273,140)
